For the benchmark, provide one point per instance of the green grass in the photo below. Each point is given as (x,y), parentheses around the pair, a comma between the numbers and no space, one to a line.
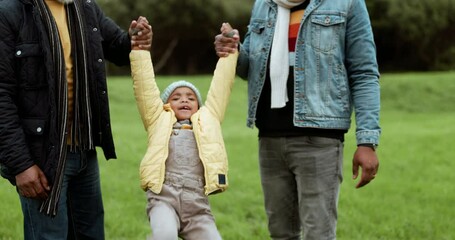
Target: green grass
(411,198)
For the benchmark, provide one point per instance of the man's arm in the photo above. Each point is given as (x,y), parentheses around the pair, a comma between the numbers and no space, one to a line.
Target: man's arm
(14,152)
(363,77)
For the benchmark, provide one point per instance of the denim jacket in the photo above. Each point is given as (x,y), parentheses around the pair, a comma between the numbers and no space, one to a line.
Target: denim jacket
(335,69)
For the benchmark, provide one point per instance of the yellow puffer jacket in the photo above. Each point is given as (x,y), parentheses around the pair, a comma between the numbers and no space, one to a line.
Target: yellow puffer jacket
(158,120)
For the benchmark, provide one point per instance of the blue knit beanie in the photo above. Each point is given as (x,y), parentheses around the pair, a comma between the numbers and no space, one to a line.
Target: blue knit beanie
(168,91)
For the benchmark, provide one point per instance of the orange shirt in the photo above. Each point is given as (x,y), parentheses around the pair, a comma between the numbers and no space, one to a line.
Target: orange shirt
(294,25)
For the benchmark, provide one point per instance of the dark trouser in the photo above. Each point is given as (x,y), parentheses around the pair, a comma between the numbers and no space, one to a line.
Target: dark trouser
(80,210)
(301,177)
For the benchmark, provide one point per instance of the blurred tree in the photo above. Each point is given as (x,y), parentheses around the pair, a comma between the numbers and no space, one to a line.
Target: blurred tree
(184,30)
(414,34)
(429,28)
(410,34)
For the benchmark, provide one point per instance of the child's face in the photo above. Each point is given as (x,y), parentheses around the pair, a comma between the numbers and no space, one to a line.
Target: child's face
(183,102)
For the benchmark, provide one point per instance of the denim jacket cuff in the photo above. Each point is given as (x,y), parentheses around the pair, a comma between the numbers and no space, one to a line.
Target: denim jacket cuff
(372,136)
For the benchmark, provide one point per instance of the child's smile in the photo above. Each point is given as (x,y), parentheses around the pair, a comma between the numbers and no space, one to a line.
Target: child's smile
(183,102)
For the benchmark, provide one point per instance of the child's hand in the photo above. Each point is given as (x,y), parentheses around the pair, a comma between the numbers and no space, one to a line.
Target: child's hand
(141,34)
(227,42)
(227,30)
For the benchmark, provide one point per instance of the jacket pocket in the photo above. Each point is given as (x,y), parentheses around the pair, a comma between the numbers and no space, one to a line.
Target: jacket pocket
(325,30)
(257,30)
(257,26)
(31,65)
(33,126)
(34,131)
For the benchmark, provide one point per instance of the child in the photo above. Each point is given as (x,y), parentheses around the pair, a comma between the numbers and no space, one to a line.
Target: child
(186,159)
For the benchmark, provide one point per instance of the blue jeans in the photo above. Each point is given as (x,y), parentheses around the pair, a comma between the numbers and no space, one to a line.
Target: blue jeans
(80,210)
(301,178)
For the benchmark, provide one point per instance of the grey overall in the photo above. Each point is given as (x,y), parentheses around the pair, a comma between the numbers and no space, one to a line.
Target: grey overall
(182,209)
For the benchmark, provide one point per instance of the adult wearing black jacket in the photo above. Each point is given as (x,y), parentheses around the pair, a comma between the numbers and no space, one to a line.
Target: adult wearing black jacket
(54,109)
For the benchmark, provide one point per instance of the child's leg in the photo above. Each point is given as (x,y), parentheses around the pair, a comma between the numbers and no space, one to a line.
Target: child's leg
(197,219)
(163,221)
(201,227)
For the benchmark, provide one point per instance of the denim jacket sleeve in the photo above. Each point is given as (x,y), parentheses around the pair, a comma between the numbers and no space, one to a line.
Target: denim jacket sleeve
(363,73)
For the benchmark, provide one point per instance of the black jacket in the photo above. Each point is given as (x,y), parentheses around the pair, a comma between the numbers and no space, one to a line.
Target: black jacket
(28,101)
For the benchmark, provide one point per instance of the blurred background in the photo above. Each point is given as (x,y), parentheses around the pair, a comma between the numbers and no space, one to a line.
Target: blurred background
(411,199)
(411,35)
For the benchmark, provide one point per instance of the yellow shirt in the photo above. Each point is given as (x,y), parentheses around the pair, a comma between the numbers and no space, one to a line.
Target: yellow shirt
(59,13)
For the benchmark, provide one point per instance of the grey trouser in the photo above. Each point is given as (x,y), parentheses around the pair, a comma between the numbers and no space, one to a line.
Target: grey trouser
(181,210)
(301,178)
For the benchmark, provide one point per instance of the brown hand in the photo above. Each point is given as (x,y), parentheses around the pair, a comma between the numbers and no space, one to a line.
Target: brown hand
(366,158)
(141,34)
(227,41)
(32,183)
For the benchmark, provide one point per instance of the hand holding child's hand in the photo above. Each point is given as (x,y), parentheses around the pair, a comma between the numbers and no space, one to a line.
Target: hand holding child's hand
(227,41)
(141,34)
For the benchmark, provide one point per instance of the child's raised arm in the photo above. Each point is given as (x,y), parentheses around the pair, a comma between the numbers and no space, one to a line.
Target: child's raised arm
(145,89)
(223,78)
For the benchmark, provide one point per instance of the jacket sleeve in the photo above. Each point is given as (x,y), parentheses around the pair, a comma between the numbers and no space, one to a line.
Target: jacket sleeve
(145,89)
(243,63)
(14,153)
(363,73)
(221,85)
(116,41)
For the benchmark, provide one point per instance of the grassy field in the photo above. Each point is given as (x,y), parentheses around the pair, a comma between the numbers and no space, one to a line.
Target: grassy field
(412,196)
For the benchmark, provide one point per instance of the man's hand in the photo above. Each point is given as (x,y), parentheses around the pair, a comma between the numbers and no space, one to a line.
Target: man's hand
(366,158)
(32,183)
(141,34)
(227,41)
